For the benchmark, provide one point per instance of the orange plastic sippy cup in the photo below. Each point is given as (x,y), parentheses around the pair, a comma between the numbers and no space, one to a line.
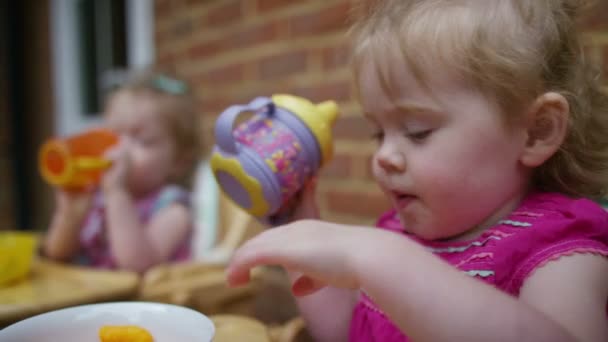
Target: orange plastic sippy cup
(77,161)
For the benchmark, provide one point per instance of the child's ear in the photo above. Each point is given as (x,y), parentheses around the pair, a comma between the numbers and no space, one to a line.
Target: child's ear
(546,125)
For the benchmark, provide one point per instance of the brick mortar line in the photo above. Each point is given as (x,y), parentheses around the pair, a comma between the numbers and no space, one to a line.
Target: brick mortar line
(248,20)
(270,46)
(297,80)
(359,167)
(267,49)
(355,147)
(350,185)
(595,38)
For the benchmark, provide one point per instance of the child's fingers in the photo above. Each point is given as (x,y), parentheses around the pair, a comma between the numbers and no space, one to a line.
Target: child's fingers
(308,206)
(118,150)
(237,272)
(313,182)
(237,277)
(310,188)
(113,154)
(266,248)
(305,285)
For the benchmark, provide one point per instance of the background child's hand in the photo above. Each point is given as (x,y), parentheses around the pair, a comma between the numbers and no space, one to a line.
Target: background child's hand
(116,176)
(62,239)
(324,253)
(75,203)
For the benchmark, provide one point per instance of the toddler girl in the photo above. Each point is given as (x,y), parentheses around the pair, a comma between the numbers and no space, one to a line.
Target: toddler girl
(140,216)
(491,135)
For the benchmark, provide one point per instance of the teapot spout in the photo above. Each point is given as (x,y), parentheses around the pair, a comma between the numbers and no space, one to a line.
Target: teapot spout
(329,109)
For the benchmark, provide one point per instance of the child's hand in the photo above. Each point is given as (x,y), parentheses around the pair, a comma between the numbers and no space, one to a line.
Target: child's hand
(307,208)
(116,176)
(76,203)
(324,253)
(301,206)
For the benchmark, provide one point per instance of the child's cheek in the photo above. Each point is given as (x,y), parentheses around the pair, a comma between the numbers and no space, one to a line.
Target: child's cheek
(376,170)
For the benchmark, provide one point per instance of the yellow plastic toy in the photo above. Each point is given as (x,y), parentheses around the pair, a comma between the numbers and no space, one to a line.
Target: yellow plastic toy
(16,254)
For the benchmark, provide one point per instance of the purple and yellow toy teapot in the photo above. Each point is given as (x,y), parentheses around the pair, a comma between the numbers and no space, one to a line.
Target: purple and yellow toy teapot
(268,158)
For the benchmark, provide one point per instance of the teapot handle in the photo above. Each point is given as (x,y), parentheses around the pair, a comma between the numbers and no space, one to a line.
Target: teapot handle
(225,122)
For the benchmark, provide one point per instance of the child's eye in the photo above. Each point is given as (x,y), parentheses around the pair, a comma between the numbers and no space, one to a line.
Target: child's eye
(378,136)
(147,141)
(150,142)
(420,136)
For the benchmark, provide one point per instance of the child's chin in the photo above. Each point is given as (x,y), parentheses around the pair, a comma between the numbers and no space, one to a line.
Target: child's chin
(409,226)
(420,230)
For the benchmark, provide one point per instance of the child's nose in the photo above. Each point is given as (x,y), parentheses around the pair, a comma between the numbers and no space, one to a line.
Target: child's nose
(390,160)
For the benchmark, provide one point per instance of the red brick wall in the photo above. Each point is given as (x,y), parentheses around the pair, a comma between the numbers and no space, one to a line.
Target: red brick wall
(234,50)
(595,35)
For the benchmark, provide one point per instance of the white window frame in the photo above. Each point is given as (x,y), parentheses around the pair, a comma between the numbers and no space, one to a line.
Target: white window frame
(67,91)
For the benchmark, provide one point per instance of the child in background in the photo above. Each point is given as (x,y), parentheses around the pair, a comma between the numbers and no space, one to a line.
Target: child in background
(140,216)
(492,134)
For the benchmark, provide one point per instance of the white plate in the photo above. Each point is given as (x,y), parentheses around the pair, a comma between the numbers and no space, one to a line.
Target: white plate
(165,322)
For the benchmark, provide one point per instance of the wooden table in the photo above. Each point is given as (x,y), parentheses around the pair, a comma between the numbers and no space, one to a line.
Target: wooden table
(230,328)
(239,328)
(51,286)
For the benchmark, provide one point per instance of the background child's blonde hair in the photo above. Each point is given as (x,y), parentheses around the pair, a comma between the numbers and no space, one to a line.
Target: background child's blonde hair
(513,51)
(178,107)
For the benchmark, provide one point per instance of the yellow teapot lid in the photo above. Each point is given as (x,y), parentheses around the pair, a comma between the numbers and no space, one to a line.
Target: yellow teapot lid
(319,118)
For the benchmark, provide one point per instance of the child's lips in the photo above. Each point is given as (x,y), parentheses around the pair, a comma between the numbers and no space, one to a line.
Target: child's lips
(403,200)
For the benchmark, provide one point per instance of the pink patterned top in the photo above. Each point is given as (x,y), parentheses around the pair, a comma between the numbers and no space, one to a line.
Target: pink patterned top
(95,250)
(545,227)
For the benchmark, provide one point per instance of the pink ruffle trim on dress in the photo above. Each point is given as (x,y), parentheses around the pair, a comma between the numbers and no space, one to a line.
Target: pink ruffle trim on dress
(555,252)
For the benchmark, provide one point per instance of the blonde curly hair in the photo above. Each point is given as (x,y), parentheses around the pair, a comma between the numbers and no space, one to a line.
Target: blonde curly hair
(513,51)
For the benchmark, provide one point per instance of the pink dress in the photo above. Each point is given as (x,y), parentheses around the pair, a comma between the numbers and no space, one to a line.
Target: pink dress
(545,227)
(95,250)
